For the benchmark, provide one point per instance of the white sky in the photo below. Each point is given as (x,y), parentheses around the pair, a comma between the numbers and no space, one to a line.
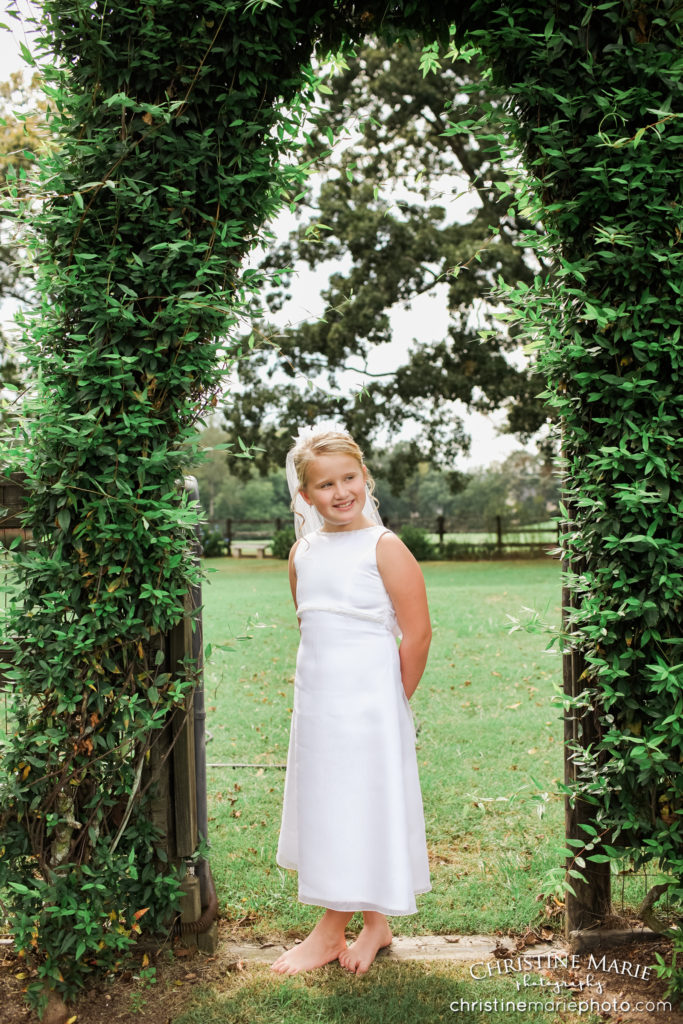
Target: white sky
(426,319)
(14,32)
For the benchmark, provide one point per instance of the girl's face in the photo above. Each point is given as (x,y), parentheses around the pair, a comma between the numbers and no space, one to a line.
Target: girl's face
(335,487)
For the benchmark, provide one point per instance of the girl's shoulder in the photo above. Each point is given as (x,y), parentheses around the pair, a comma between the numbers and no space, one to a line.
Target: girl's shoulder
(299,547)
(388,539)
(392,551)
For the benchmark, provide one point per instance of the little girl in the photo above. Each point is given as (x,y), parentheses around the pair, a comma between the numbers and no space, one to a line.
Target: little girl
(352,819)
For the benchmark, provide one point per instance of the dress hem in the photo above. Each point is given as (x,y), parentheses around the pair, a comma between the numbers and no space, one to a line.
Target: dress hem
(360,905)
(354,905)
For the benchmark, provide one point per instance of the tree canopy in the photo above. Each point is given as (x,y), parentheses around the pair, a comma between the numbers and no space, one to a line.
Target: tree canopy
(23,134)
(381,224)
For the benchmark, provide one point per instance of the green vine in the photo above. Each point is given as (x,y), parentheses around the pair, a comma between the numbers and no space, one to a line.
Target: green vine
(595,101)
(170,128)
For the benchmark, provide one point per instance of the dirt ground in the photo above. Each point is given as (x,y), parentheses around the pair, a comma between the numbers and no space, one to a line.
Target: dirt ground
(615,984)
(125,996)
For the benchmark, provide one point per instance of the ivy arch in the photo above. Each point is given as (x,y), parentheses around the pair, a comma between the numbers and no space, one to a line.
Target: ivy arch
(175,117)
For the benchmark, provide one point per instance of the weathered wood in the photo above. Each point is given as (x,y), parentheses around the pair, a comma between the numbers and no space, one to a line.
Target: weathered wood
(190,907)
(184,784)
(157,775)
(591,903)
(12,500)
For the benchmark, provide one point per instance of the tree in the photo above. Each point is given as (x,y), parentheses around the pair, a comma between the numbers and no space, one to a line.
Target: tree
(522,488)
(384,252)
(226,494)
(22,137)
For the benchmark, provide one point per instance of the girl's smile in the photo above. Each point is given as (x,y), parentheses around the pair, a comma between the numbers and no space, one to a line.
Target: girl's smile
(335,487)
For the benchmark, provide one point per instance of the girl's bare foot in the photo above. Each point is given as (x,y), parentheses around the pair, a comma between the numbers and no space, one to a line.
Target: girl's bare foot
(374,936)
(325,943)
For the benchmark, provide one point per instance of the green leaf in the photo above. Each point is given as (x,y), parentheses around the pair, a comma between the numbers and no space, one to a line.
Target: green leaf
(64,518)
(26,54)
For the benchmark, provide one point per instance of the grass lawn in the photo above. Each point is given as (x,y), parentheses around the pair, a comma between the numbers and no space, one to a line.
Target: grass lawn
(489,750)
(392,993)
(489,745)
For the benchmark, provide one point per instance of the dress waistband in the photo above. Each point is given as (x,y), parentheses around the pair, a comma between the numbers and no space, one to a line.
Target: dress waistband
(388,620)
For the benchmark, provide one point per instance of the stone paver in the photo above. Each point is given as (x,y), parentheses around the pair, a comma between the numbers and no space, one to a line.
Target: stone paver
(462,948)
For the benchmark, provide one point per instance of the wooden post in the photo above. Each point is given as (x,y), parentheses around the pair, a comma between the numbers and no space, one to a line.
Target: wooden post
(172,765)
(184,785)
(592,902)
(11,504)
(157,774)
(499,534)
(441,528)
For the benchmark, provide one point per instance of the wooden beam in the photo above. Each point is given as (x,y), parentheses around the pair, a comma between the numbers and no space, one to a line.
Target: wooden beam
(12,500)
(184,784)
(592,902)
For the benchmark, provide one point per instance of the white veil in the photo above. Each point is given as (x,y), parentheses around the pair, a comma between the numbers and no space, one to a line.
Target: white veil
(306,518)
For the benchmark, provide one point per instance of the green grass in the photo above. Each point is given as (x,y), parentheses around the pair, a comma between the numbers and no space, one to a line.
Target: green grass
(391,993)
(487,734)
(489,747)
(490,753)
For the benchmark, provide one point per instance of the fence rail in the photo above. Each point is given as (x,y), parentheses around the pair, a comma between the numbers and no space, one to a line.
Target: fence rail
(244,536)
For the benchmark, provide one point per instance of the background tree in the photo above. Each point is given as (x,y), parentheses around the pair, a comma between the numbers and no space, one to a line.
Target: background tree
(226,493)
(378,226)
(522,488)
(23,135)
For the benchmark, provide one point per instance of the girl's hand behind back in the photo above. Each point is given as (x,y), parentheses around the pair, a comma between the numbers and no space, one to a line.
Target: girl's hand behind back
(405,586)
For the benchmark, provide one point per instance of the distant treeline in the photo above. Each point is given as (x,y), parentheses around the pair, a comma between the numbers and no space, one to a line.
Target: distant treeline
(523,488)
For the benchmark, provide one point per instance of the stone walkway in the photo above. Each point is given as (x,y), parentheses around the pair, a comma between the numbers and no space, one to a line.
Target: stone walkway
(462,948)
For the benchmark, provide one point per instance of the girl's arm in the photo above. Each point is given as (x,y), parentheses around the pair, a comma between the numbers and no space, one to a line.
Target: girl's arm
(292,571)
(405,586)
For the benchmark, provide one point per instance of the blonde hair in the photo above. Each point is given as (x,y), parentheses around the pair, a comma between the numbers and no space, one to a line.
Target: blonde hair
(327,442)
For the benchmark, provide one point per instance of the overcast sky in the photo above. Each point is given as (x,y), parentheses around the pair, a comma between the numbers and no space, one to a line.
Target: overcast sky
(487,445)
(13,33)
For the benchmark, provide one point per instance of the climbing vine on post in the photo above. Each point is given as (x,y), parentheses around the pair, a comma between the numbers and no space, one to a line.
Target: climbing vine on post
(595,108)
(167,166)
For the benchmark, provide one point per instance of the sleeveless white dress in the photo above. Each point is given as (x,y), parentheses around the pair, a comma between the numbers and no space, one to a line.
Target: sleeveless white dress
(352,818)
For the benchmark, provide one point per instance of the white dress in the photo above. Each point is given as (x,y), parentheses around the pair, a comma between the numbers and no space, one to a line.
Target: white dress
(352,818)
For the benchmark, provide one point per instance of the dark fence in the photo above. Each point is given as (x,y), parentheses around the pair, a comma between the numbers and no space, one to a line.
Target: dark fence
(498,536)
(11,504)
